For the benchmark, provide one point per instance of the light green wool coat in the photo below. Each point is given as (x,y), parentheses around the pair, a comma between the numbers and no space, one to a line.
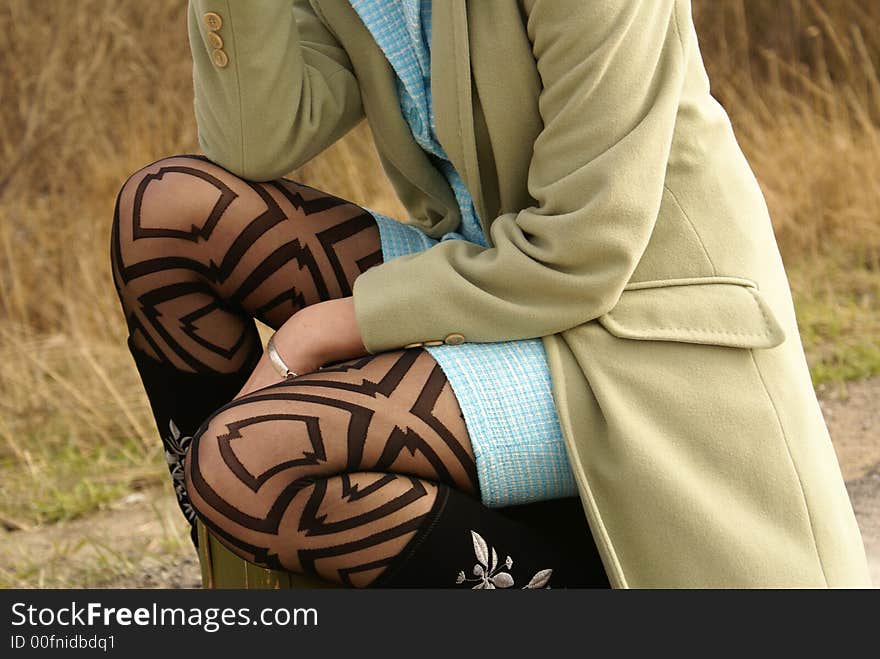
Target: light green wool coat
(626,229)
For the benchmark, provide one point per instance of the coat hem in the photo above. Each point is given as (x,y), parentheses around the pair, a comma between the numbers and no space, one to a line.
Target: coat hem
(797,473)
(607,552)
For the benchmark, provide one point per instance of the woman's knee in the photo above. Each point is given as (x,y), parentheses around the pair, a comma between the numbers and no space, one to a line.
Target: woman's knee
(168,208)
(219,474)
(222,500)
(172,198)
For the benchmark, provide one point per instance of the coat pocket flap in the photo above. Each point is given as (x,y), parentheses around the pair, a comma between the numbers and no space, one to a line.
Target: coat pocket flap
(717,311)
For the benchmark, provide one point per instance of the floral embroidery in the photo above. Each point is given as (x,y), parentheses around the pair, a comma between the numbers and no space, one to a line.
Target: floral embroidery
(490,574)
(176,446)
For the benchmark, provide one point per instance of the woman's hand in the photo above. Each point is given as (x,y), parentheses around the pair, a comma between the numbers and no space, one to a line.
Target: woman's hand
(316,335)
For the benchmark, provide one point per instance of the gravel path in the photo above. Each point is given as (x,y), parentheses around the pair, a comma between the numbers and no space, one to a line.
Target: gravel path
(852,413)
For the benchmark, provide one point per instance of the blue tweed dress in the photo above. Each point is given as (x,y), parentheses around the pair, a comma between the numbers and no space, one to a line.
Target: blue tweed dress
(503,388)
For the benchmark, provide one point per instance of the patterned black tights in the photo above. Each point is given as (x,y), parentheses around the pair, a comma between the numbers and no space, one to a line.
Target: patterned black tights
(335,473)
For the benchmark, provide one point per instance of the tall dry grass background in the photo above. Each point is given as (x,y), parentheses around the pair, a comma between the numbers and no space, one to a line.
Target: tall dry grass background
(94,89)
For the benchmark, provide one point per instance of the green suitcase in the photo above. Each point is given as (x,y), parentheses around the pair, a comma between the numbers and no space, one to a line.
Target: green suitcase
(223,569)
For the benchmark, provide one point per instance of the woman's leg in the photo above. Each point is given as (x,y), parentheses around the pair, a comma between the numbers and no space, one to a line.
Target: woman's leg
(197,253)
(362,468)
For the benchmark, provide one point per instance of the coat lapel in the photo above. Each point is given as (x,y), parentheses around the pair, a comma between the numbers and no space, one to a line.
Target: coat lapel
(451,89)
(430,199)
(451,86)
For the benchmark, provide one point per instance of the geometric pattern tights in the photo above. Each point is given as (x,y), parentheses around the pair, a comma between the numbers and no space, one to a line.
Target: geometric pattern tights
(329,473)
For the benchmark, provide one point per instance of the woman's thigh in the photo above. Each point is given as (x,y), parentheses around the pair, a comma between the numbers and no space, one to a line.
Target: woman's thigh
(198,252)
(341,463)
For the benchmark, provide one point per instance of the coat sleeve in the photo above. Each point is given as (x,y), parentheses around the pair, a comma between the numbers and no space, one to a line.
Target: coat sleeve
(285,93)
(612,73)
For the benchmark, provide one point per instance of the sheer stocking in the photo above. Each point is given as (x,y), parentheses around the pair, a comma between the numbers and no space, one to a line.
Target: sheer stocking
(332,472)
(198,253)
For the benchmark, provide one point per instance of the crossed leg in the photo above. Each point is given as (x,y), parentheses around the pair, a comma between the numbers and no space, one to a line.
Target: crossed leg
(332,473)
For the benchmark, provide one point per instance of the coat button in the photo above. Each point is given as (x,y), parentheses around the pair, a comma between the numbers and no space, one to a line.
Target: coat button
(213,21)
(417,344)
(214,40)
(434,343)
(219,58)
(454,339)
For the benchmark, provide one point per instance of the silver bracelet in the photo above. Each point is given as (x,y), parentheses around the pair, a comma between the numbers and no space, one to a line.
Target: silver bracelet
(277,361)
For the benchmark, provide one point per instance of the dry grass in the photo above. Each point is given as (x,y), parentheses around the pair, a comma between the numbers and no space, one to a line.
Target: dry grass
(807,112)
(92,90)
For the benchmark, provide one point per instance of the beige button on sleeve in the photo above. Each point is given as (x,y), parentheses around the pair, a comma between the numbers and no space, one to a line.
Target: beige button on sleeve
(212,20)
(250,124)
(214,40)
(220,58)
